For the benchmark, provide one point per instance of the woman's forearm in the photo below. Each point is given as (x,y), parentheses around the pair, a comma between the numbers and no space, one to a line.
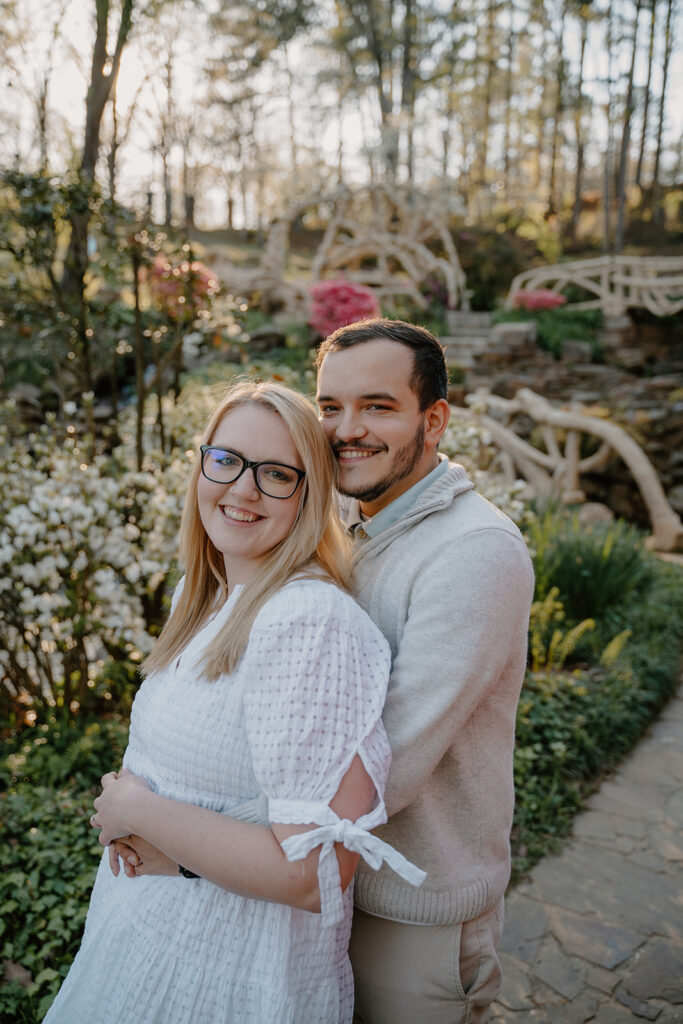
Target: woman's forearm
(240,856)
(237,855)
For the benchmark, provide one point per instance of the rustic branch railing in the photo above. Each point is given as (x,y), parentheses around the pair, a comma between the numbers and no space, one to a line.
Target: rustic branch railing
(557,473)
(618,283)
(374,235)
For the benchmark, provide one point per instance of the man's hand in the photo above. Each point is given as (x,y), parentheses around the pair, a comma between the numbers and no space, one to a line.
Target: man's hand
(139,858)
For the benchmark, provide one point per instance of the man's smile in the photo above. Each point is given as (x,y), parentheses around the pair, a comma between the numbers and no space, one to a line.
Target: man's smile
(345,453)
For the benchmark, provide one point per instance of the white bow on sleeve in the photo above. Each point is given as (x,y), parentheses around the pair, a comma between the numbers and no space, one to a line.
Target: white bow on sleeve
(353,835)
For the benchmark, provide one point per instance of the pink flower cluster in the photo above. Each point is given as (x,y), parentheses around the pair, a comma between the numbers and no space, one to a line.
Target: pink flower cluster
(535,299)
(339,302)
(181,289)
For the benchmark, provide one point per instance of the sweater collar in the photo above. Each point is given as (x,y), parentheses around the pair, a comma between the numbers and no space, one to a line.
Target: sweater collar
(395,510)
(440,493)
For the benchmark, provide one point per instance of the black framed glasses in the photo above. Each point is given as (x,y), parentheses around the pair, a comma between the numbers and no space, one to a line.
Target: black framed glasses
(275,479)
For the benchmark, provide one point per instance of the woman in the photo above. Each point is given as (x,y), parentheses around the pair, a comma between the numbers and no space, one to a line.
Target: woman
(265,689)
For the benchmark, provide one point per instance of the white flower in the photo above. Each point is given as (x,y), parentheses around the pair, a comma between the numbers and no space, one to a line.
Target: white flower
(132,572)
(80,562)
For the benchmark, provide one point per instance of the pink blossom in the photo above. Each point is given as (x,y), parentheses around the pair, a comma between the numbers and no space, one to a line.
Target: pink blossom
(536,299)
(181,289)
(339,302)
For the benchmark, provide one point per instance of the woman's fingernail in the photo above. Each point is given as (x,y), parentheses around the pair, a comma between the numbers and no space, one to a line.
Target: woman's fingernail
(133,861)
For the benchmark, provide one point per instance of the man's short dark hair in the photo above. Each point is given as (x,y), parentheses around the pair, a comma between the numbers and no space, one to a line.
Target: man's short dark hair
(429,379)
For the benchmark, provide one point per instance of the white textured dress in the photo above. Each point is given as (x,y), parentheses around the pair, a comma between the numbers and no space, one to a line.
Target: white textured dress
(270,741)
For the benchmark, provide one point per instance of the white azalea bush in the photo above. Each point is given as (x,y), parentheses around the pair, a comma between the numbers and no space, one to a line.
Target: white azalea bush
(470,445)
(88,550)
(80,577)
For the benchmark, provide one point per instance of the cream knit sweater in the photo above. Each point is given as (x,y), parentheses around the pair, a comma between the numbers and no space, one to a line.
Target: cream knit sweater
(450,586)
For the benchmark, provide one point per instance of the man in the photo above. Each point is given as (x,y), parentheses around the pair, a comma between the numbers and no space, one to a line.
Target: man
(448,580)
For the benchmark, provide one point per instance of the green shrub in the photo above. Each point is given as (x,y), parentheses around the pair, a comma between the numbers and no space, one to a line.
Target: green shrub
(557,325)
(63,751)
(490,259)
(549,645)
(655,616)
(48,852)
(595,567)
(572,727)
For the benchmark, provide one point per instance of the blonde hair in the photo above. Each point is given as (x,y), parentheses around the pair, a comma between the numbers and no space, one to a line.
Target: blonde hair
(315,546)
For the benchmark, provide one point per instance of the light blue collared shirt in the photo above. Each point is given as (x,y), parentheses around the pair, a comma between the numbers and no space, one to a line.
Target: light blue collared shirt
(364,529)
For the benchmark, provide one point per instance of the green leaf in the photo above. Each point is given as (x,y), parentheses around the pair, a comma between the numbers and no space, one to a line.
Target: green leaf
(47,974)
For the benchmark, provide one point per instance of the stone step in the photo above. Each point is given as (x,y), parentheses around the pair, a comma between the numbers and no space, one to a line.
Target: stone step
(515,334)
(458,319)
(630,356)
(469,332)
(457,356)
(477,342)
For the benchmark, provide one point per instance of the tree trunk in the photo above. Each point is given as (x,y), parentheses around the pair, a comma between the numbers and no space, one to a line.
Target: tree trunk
(507,140)
(342,90)
(103,75)
(167,137)
(657,211)
(159,384)
(609,152)
(446,135)
(136,260)
(489,66)
(382,78)
(115,388)
(539,114)
(113,151)
(578,128)
(168,195)
(188,199)
(188,184)
(41,116)
(408,86)
(42,98)
(646,103)
(626,141)
(293,152)
(244,196)
(551,207)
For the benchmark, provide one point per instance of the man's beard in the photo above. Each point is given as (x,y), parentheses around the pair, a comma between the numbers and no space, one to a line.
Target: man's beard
(404,462)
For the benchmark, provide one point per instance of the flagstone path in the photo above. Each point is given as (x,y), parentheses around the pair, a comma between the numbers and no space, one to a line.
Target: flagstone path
(596,933)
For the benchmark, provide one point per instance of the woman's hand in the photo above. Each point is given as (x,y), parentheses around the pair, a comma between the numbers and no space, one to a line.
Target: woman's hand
(114,808)
(139,858)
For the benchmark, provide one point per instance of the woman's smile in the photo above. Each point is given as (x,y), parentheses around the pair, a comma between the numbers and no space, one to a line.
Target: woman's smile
(239,515)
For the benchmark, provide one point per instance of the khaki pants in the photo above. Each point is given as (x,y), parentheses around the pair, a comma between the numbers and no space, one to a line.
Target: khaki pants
(425,974)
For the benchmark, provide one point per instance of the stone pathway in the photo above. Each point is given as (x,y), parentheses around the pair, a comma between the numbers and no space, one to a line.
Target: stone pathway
(596,933)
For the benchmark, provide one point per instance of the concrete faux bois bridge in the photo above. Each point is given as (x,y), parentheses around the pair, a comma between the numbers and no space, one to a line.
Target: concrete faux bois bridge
(613,284)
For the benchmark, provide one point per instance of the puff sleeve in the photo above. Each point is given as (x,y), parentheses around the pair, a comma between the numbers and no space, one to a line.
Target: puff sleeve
(315,677)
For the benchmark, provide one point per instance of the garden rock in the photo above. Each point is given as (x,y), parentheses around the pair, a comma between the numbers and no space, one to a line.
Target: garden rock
(17,973)
(574,351)
(595,512)
(265,338)
(675,496)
